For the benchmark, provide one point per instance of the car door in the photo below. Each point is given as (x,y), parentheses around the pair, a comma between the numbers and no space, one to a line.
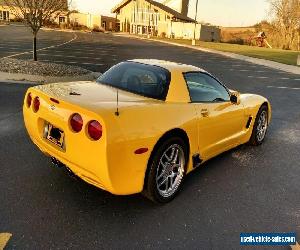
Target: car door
(220,122)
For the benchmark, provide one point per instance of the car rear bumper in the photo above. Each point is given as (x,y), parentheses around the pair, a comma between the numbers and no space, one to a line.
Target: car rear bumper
(113,167)
(83,174)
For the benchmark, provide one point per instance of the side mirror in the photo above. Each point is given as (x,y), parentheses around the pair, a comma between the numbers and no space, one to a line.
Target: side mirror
(235,97)
(96,75)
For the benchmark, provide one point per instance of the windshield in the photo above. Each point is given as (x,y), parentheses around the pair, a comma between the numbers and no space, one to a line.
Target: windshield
(146,80)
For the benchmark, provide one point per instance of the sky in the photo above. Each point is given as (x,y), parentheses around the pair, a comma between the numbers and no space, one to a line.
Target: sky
(226,13)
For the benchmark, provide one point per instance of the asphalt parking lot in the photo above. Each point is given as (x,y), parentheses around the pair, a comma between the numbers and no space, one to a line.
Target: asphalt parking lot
(248,189)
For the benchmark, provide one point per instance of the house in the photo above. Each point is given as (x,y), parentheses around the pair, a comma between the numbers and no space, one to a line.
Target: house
(4,12)
(85,19)
(147,17)
(61,18)
(88,20)
(109,23)
(6,15)
(167,19)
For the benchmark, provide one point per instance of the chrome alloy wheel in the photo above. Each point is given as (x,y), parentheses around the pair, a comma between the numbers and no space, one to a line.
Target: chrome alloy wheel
(170,170)
(262,126)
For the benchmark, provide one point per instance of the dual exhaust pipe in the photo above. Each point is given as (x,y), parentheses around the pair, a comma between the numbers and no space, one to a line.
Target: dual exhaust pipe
(59,164)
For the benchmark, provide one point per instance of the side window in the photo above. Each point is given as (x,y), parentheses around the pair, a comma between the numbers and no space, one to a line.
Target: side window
(204,88)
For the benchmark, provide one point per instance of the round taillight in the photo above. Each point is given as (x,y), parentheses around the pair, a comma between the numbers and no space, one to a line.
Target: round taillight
(76,123)
(95,130)
(29,100)
(36,104)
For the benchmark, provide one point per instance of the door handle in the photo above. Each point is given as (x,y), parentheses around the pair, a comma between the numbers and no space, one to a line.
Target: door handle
(204,112)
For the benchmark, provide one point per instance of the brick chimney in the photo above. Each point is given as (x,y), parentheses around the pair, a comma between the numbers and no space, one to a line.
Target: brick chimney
(182,6)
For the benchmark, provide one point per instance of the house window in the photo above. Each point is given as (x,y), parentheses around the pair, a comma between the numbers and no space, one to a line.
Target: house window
(104,25)
(4,15)
(157,16)
(62,19)
(110,25)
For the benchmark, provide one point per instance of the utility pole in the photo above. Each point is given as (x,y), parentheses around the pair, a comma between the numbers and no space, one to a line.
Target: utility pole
(194,40)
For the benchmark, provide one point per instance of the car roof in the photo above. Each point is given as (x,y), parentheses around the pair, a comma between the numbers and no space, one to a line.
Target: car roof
(170,66)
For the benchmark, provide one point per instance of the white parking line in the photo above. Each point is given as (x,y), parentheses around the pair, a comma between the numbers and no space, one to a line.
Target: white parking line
(4,238)
(81,48)
(295,247)
(72,62)
(24,46)
(17,42)
(70,56)
(53,46)
(71,50)
(289,88)
(259,77)
(284,78)
(14,48)
(9,52)
(63,53)
(98,64)
(77,52)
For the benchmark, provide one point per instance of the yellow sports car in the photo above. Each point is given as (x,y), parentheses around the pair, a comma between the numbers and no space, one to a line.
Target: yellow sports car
(143,125)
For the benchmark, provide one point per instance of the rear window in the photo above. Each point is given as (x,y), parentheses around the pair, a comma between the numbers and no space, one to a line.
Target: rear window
(146,80)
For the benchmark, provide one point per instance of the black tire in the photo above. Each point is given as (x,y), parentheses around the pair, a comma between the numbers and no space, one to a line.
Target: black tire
(151,190)
(255,140)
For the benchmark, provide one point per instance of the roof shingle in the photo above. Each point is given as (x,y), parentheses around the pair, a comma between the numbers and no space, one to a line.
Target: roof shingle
(158,5)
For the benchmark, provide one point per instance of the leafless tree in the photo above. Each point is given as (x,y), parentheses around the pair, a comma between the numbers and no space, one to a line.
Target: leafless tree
(296,17)
(36,13)
(71,10)
(287,19)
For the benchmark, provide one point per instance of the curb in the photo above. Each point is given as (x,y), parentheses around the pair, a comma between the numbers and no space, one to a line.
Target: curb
(75,31)
(49,29)
(36,79)
(66,30)
(18,82)
(271,64)
(60,30)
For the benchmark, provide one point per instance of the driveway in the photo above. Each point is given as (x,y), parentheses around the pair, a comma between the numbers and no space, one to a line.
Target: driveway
(248,189)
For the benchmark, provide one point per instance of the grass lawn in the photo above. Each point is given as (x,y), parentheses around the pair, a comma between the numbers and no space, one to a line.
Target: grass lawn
(277,55)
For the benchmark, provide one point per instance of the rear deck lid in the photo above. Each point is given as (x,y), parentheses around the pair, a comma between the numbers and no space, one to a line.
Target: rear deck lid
(92,95)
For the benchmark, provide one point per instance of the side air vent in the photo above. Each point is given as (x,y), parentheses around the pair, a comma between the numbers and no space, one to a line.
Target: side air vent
(196,160)
(249,122)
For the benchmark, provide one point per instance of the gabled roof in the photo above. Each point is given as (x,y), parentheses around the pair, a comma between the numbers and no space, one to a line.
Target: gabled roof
(167,9)
(4,3)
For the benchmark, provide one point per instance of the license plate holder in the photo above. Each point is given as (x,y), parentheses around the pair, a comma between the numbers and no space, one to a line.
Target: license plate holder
(55,135)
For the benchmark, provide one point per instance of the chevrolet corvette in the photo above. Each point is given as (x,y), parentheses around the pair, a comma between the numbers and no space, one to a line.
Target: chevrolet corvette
(142,126)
